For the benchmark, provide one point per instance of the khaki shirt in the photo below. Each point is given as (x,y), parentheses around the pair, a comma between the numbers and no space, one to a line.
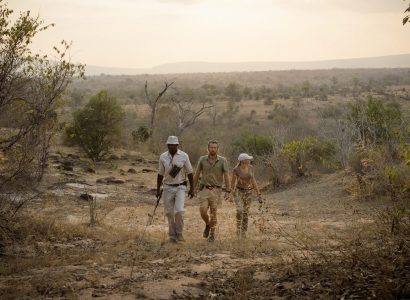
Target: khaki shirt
(212,174)
(180,159)
(244,179)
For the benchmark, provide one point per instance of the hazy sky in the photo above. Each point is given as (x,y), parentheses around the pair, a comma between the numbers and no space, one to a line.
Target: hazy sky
(144,33)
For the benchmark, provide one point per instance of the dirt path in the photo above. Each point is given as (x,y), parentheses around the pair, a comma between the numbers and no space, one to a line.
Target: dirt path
(118,262)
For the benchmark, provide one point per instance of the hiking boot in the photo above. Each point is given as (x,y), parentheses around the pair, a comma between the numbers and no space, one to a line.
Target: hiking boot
(173,239)
(211,239)
(206,231)
(180,238)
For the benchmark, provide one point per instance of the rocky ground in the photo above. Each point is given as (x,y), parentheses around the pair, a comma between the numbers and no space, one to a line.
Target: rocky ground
(297,231)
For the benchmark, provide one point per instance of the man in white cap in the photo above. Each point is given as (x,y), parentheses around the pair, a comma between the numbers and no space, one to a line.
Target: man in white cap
(173,168)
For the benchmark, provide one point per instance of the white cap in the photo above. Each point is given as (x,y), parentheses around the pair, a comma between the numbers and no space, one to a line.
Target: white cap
(244,156)
(172,140)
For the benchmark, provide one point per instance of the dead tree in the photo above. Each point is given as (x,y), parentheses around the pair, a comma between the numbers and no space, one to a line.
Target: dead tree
(153,102)
(187,115)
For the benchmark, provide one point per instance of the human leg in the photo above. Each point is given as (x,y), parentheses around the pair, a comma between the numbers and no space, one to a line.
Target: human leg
(168,195)
(203,210)
(246,208)
(214,202)
(242,202)
(179,212)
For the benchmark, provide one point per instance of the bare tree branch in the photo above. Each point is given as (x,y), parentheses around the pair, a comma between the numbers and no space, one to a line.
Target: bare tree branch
(187,115)
(153,102)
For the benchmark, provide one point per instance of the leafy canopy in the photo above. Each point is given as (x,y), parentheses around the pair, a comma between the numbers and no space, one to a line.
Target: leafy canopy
(96,128)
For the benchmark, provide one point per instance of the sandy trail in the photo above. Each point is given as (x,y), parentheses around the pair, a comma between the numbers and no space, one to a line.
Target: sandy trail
(132,261)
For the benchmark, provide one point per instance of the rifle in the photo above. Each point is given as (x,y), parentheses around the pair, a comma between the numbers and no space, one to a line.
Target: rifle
(140,238)
(151,216)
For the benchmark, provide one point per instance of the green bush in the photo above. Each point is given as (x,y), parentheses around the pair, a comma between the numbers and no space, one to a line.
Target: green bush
(253,144)
(308,150)
(376,123)
(142,134)
(96,127)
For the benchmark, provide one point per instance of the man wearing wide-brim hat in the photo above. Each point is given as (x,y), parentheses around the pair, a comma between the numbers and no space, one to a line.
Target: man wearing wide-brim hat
(173,168)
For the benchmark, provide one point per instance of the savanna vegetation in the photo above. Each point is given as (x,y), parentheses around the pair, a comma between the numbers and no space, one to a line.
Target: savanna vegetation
(77,175)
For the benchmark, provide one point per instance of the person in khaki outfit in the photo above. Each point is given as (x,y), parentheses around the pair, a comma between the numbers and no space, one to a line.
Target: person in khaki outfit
(243,185)
(173,167)
(214,170)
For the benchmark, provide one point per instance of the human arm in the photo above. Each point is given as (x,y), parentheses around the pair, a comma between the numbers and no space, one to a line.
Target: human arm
(159,183)
(233,182)
(160,176)
(189,170)
(255,186)
(227,182)
(196,178)
(191,191)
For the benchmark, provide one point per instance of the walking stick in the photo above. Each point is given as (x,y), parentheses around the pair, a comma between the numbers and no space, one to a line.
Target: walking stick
(151,216)
(150,219)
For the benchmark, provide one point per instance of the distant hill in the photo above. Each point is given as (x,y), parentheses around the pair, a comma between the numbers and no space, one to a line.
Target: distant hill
(390,61)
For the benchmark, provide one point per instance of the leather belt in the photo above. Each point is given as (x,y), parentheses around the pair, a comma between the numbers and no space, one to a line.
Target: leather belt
(176,184)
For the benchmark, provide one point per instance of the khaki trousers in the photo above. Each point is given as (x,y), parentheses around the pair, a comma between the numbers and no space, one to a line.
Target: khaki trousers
(174,198)
(211,199)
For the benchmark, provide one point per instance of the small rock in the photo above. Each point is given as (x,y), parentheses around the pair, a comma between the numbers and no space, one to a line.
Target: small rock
(132,170)
(54,156)
(101,180)
(74,156)
(90,170)
(110,180)
(117,181)
(86,197)
(114,156)
(148,171)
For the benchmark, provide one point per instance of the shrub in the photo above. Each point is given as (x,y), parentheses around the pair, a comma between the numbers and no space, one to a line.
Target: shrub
(308,150)
(142,134)
(283,115)
(254,144)
(96,127)
(377,175)
(376,123)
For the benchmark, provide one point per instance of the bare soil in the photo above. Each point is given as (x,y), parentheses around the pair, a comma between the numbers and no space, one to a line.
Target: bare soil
(122,258)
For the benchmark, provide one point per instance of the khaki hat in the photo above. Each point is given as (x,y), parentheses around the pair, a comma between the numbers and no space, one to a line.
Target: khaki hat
(244,156)
(172,140)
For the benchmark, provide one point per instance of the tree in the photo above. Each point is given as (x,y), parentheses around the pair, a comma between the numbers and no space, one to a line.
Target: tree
(233,92)
(407,17)
(30,91)
(96,127)
(154,101)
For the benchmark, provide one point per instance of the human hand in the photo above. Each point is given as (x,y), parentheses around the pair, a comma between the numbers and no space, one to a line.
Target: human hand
(191,193)
(159,193)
